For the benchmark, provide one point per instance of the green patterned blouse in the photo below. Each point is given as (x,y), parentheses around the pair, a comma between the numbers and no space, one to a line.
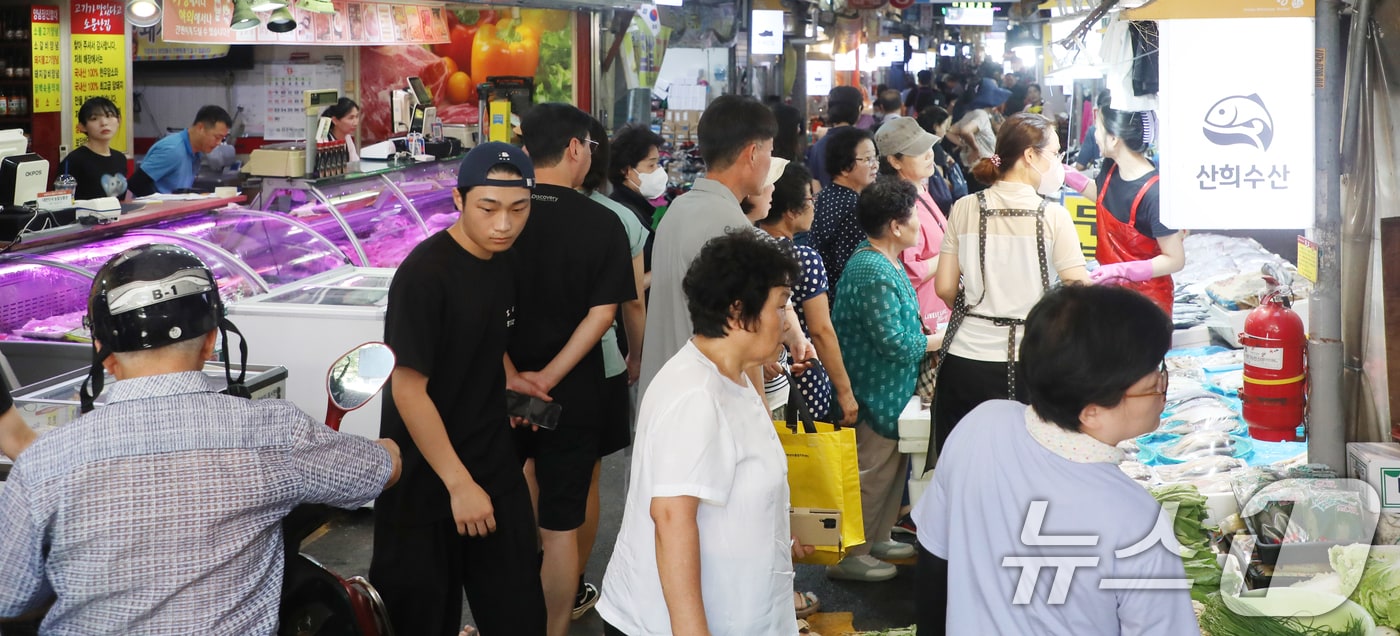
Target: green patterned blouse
(882,340)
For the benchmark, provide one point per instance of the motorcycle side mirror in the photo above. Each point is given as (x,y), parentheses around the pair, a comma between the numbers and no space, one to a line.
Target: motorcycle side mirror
(355,378)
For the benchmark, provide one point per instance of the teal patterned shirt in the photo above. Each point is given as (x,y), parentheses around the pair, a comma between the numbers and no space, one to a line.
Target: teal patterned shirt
(882,340)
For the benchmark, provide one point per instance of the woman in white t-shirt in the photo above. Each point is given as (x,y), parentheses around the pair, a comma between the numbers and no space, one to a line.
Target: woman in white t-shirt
(705,545)
(1003,249)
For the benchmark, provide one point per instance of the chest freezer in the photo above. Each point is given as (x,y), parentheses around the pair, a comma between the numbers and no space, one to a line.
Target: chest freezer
(305,326)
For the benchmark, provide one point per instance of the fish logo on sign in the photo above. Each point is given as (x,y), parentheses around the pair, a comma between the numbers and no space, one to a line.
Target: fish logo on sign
(1240,120)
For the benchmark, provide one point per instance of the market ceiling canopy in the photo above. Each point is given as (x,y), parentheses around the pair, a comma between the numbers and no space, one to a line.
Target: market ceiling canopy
(351,23)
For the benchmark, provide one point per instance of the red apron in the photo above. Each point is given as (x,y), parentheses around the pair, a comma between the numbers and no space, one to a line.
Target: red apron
(1121,242)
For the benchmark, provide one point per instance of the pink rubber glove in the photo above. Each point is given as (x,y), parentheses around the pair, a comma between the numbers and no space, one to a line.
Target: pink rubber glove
(1119,273)
(1075,180)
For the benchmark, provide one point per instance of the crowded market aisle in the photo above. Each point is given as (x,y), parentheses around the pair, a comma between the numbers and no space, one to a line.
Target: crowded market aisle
(344,547)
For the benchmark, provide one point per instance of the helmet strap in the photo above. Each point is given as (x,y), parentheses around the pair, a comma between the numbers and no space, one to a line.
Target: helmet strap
(236,388)
(97,375)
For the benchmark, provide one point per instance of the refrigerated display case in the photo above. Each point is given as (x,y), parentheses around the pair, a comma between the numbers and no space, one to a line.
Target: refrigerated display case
(342,308)
(43,292)
(377,217)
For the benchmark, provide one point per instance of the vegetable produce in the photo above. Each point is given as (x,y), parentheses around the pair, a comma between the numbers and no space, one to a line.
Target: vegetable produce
(505,48)
(554,80)
(1196,553)
(1378,588)
(1219,620)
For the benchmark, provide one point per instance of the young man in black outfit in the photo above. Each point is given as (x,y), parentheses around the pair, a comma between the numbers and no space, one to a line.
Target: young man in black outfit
(575,267)
(460,519)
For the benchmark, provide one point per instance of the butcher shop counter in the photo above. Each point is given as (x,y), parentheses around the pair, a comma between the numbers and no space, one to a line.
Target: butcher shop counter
(377,216)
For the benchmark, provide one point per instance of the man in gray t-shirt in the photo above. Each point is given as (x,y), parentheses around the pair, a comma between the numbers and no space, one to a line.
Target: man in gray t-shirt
(736,141)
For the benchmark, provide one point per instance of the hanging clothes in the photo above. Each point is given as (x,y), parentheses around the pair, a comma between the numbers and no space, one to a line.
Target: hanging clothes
(1119,61)
(1121,242)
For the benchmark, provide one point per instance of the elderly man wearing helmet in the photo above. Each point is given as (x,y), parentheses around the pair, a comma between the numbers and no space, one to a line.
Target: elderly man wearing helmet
(161,512)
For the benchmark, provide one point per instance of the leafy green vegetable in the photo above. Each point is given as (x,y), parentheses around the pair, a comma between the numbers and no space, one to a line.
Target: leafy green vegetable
(1379,587)
(1196,554)
(554,80)
(1218,620)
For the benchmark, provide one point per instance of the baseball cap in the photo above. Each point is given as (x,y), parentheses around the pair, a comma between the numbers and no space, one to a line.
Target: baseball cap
(903,136)
(479,162)
(844,95)
(775,171)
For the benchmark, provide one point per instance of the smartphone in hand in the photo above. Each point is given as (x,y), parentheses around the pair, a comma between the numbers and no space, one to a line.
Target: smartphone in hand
(533,410)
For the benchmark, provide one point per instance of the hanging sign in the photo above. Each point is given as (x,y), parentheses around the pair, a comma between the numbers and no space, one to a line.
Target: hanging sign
(1183,9)
(353,23)
(149,46)
(99,58)
(46,67)
(766,32)
(1237,131)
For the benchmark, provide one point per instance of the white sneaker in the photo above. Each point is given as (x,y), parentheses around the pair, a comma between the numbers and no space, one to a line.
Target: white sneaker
(861,568)
(887,550)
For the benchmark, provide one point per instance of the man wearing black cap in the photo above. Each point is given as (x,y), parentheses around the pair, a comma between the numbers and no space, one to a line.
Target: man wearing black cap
(843,106)
(461,519)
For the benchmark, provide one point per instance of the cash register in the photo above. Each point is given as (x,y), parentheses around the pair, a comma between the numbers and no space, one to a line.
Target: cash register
(23,174)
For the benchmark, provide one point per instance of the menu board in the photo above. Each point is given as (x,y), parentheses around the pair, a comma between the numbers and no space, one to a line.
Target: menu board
(46,64)
(353,23)
(286,83)
(99,58)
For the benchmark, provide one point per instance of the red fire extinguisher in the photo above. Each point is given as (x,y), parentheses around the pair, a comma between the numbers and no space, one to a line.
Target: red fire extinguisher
(1274,392)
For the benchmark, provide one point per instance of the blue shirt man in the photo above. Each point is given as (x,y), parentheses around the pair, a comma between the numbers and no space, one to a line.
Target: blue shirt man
(172,163)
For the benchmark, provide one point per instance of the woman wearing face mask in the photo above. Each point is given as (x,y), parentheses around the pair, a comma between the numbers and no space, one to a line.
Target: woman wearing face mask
(1004,248)
(1135,249)
(637,177)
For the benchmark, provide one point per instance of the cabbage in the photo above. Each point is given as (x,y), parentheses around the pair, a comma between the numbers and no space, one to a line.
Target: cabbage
(1378,589)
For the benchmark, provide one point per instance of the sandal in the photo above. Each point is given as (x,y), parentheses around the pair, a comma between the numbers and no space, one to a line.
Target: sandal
(805,603)
(805,629)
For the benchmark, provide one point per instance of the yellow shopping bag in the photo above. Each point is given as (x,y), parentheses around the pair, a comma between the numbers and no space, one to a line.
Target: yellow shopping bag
(823,472)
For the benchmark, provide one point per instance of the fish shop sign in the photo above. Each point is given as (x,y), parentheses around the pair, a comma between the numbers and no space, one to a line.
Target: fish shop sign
(1237,123)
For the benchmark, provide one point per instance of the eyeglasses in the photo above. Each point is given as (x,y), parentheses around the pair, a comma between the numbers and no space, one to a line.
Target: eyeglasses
(871,159)
(810,200)
(1163,381)
(592,145)
(1060,158)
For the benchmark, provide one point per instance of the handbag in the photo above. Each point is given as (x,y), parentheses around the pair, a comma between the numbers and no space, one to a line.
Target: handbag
(823,472)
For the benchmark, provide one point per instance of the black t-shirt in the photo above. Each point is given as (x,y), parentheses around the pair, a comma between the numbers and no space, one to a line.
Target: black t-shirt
(449,318)
(1119,200)
(573,256)
(97,176)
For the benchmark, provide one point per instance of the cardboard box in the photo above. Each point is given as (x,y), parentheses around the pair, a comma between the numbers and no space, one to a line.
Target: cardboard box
(914,427)
(681,125)
(1378,464)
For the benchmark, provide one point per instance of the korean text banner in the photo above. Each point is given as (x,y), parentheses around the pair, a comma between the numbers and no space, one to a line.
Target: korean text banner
(353,23)
(149,46)
(46,62)
(99,58)
(1237,124)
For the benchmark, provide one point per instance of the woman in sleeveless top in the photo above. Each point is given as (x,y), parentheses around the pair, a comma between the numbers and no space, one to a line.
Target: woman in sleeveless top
(1135,249)
(1005,246)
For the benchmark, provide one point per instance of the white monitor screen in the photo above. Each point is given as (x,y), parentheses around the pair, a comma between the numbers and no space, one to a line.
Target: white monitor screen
(957,16)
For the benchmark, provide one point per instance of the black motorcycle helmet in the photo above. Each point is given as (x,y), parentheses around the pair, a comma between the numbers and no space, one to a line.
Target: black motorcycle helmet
(151,296)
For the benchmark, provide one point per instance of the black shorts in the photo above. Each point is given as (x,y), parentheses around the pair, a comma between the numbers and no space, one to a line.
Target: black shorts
(617,416)
(564,458)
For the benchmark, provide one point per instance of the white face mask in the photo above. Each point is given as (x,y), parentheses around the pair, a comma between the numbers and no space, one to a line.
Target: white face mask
(652,184)
(1052,180)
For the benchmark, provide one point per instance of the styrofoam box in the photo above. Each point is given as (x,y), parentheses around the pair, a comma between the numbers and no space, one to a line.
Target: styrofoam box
(1191,337)
(1229,324)
(1378,464)
(914,427)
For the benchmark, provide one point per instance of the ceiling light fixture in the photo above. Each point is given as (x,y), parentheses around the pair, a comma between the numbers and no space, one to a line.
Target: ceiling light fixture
(243,16)
(281,20)
(316,6)
(143,13)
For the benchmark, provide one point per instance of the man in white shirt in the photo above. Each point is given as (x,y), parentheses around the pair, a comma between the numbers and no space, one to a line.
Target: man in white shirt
(1026,495)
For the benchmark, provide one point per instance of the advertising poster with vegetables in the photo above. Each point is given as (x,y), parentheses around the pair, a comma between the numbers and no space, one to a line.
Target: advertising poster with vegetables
(483,42)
